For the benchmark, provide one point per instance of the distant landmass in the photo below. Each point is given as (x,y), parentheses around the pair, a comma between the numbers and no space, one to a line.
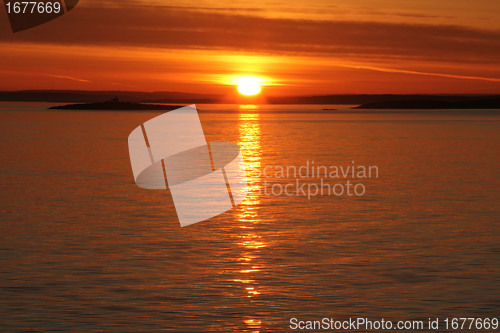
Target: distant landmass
(172,97)
(115,104)
(89,96)
(488,103)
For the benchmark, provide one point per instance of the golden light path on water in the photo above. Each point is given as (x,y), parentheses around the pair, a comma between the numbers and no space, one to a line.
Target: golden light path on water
(247,214)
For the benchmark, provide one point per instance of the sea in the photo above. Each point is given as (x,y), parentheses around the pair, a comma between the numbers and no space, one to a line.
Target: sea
(84,249)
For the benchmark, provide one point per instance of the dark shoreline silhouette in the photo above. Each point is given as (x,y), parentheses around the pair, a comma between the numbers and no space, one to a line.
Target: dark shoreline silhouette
(490,103)
(115,104)
(172,97)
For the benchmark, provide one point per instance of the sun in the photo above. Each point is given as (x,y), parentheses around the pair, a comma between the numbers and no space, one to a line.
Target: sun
(248,85)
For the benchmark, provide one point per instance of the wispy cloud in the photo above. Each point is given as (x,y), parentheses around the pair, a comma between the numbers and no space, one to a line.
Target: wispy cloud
(65,77)
(181,29)
(404,71)
(35,74)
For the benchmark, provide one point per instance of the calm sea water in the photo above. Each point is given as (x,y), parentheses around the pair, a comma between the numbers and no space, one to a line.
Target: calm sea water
(82,248)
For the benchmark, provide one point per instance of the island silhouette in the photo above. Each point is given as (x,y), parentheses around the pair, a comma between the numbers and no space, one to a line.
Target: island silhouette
(115,104)
(486,103)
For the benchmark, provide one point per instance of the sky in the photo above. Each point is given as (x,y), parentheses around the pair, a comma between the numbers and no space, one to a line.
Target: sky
(294,47)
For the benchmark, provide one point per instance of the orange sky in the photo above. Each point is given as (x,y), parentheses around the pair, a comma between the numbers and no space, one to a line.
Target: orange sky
(295,47)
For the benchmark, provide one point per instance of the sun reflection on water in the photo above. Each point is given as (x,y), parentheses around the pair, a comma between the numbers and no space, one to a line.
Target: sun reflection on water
(248,211)
(253,324)
(249,142)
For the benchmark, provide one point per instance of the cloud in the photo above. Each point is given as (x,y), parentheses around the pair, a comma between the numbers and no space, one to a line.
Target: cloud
(179,28)
(36,74)
(65,77)
(404,71)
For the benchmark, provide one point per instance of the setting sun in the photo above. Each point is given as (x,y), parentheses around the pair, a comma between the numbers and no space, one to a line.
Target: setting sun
(248,86)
